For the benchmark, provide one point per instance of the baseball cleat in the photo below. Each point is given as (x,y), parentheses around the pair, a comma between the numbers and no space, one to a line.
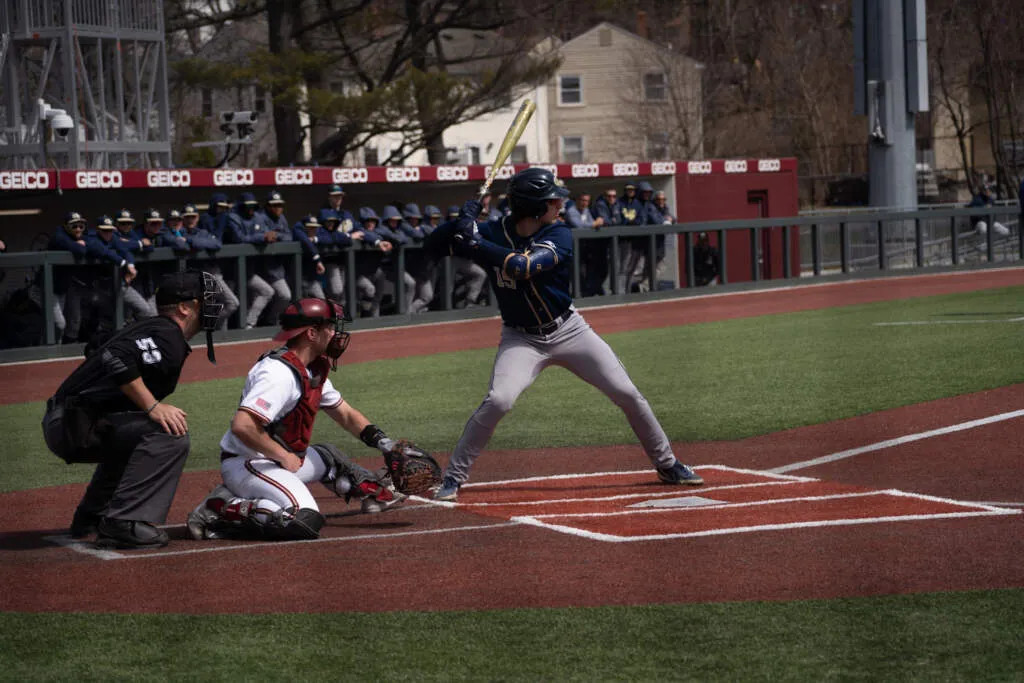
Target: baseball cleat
(202,521)
(679,474)
(128,534)
(449,490)
(83,524)
(377,498)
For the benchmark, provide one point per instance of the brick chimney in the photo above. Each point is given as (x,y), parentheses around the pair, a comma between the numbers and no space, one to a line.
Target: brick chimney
(641,23)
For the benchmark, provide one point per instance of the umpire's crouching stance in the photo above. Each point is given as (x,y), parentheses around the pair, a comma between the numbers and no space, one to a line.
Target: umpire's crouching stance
(110,411)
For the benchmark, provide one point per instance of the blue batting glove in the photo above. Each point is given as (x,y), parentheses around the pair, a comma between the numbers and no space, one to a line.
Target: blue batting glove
(470,210)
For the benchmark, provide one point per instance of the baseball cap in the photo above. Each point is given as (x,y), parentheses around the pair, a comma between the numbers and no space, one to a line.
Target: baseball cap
(275,198)
(104,223)
(153,216)
(310,221)
(125,216)
(174,215)
(176,287)
(72,217)
(248,198)
(336,189)
(190,210)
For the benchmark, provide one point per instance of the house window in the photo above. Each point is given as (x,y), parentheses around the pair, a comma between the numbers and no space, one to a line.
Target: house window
(657,146)
(259,99)
(572,148)
(207,105)
(370,156)
(604,37)
(654,87)
(519,155)
(472,154)
(570,90)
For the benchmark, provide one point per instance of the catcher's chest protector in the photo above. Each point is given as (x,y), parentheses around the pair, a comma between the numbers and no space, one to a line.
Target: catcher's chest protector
(296,427)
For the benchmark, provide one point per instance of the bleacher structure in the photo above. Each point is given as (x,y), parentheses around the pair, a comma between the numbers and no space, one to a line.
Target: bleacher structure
(104,62)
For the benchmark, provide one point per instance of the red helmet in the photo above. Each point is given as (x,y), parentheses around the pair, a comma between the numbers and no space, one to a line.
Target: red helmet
(305,313)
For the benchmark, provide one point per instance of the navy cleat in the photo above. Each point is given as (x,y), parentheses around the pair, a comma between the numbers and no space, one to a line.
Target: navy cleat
(449,490)
(679,474)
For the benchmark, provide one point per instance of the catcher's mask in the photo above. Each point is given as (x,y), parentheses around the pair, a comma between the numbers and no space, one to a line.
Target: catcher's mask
(202,287)
(306,313)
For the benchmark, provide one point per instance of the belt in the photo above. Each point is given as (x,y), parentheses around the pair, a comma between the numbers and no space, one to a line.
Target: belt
(224,455)
(546,328)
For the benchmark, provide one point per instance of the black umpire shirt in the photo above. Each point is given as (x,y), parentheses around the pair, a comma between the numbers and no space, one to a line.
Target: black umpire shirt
(154,349)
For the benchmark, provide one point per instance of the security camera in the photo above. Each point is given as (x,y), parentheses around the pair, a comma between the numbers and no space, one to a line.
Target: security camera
(61,123)
(58,119)
(241,122)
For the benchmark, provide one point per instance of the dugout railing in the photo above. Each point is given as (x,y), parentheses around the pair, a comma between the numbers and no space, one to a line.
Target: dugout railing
(832,243)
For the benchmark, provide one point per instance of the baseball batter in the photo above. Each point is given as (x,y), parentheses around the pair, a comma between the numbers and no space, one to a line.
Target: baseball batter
(527,256)
(267,460)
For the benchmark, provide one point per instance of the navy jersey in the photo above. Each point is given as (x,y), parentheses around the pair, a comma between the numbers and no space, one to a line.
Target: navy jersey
(540,297)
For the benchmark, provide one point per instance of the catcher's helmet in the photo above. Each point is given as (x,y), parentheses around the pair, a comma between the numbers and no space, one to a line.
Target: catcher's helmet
(305,313)
(530,189)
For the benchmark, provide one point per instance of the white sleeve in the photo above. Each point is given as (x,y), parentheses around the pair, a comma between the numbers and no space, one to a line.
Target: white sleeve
(271,390)
(330,397)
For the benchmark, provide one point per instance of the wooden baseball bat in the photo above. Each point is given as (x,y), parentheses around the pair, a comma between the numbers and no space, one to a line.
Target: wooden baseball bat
(515,131)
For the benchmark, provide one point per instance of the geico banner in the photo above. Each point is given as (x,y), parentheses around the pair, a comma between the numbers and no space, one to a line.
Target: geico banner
(95,180)
(453,173)
(736,166)
(24,180)
(663,167)
(403,174)
(698,167)
(769,165)
(293,176)
(343,176)
(585,171)
(168,179)
(626,169)
(233,176)
(504,173)
(550,167)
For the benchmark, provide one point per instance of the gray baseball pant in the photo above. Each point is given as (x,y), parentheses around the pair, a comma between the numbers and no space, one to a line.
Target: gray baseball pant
(577,348)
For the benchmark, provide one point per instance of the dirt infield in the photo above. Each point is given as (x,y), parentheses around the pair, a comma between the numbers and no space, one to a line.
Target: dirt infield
(920,498)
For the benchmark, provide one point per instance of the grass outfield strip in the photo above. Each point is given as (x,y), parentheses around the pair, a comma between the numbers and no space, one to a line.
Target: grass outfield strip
(933,637)
(712,381)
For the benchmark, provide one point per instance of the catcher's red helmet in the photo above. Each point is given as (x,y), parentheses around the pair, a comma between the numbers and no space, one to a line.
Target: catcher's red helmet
(305,313)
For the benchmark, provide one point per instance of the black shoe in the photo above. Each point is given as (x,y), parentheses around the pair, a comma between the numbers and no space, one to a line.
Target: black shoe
(84,523)
(128,533)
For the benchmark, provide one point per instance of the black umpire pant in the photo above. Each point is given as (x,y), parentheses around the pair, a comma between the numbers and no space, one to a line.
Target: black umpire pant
(139,464)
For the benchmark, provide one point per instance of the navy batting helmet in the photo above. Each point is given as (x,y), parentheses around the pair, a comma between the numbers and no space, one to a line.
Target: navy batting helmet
(530,189)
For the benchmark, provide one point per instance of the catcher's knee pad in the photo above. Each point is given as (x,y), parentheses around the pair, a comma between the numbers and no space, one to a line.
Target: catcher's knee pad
(290,524)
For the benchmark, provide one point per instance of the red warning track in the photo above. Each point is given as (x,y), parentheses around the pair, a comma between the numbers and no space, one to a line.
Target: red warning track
(939,513)
(38,381)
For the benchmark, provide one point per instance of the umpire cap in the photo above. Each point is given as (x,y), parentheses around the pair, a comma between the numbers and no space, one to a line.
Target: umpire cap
(176,287)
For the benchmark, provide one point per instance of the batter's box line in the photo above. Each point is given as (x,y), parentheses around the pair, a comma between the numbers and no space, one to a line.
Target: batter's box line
(984,511)
(782,479)
(87,548)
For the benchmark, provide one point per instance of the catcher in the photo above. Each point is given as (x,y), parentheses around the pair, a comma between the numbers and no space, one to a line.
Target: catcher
(267,460)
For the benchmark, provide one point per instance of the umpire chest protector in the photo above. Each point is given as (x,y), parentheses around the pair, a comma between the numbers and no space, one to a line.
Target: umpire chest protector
(295,428)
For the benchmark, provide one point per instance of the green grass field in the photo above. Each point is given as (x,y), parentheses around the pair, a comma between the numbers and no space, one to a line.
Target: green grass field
(713,381)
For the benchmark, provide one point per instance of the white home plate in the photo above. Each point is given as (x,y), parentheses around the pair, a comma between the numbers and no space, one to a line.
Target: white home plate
(681,502)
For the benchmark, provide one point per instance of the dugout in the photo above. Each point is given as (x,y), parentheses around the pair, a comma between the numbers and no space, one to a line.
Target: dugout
(33,202)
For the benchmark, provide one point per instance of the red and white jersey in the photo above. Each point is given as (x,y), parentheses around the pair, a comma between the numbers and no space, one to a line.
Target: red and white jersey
(271,391)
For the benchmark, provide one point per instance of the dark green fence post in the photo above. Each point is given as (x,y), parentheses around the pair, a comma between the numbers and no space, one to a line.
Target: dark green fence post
(954,240)
(691,279)
(48,300)
(918,243)
(881,245)
(844,247)
(816,248)
(722,277)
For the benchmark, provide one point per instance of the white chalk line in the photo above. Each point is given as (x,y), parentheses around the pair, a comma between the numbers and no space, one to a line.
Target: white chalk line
(898,441)
(949,322)
(595,536)
(88,548)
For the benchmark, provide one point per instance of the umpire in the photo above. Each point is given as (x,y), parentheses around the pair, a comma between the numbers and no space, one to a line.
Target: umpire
(110,411)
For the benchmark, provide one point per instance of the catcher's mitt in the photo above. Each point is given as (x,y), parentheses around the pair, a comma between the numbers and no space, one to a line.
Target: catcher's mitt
(413,471)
